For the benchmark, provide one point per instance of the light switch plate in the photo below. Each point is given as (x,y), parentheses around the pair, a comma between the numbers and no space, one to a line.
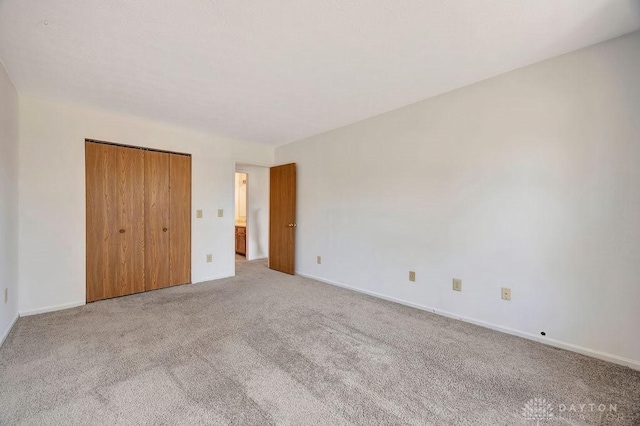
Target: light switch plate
(457,284)
(199,214)
(220,213)
(319,260)
(209,258)
(412,276)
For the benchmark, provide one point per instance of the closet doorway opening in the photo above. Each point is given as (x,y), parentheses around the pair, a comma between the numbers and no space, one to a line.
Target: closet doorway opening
(251,219)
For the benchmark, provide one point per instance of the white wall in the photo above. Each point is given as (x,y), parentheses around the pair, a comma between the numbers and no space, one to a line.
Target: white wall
(258,210)
(529,180)
(8,203)
(52,195)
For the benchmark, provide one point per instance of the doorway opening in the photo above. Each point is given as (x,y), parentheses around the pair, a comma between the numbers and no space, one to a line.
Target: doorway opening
(241,217)
(251,220)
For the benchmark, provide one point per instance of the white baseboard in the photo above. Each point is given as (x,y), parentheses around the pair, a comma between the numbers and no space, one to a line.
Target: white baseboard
(212,278)
(627,362)
(257,258)
(6,332)
(51,308)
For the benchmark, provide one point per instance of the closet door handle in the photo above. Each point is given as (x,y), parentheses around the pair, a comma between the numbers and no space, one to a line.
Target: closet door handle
(164,229)
(122,231)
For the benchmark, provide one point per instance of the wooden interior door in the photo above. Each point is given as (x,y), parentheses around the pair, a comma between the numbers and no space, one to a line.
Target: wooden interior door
(156,214)
(130,202)
(180,219)
(103,239)
(282,218)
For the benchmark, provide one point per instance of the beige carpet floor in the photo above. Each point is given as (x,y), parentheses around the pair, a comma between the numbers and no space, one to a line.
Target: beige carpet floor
(267,348)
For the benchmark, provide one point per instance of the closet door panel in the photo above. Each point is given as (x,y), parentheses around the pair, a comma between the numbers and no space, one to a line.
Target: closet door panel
(180,219)
(103,242)
(130,186)
(156,189)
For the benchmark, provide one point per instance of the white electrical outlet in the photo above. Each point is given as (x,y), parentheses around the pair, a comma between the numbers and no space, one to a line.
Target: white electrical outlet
(220,212)
(209,258)
(457,284)
(506,293)
(198,214)
(319,260)
(412,276)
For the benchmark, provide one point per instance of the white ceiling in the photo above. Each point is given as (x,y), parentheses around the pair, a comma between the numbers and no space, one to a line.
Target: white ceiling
(275,71)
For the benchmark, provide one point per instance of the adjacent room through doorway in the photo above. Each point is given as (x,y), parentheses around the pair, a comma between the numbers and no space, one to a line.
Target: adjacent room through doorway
(251,216)
(241,216)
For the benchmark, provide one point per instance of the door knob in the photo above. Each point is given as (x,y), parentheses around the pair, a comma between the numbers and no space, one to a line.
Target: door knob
(164,229)
(291,225)
(122,231)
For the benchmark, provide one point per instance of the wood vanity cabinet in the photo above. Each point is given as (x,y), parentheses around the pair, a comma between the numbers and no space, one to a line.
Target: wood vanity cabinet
(241,240)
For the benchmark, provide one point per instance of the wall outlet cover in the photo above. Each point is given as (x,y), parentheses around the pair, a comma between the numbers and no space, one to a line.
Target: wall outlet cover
(199,214)
(319,260)
(412,276)
(506,293)
(209,258)
(220,212)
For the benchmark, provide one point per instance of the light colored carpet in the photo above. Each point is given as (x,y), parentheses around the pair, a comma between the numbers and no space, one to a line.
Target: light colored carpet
(268,348)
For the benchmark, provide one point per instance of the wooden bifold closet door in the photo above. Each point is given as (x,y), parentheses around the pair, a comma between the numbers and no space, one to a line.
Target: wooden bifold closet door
(180,219)
(138,220)
(115,224)
(156,191)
